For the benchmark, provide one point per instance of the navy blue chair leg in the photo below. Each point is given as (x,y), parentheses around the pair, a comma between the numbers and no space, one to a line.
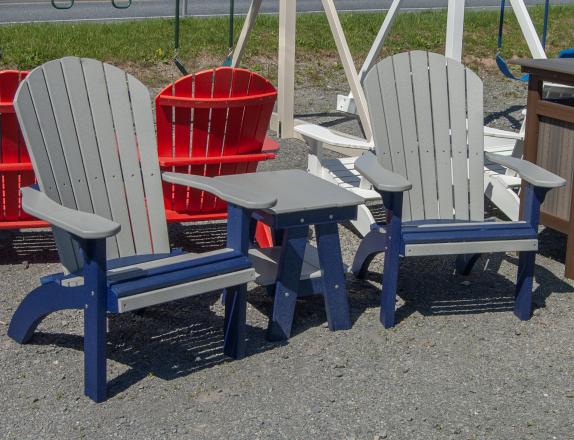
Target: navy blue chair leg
(333,276)
(372,244)
(523,301)
(394,202)
(465,263)
(289,274)
(95,310)
(235,317)
(38,304)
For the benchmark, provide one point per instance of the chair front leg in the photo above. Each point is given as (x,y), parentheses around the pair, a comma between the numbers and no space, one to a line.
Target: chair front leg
(532,198)
(95,308)
(394,203)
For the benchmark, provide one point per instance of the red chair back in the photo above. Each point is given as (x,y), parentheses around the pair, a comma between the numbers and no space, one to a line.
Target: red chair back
(211,123)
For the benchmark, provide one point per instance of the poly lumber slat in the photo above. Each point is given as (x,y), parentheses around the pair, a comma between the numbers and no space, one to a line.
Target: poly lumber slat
(108,152)
(9,148)
(88,147)
(143,122)
(222,79)
(164,127)
(402,66)
(439,93)
(475,117)
(32,130)
(116,80)
(457,107)
(421,86)
(200,135)
(387,81)
(182,139)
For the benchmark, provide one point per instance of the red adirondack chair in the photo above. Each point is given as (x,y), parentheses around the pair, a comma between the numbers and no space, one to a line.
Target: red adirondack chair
(213,123)
(15,167)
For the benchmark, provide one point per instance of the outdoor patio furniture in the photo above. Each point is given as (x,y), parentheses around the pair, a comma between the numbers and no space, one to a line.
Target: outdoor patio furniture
(548,142)
(210,124)
(296,268)
(429,140)
(89,131)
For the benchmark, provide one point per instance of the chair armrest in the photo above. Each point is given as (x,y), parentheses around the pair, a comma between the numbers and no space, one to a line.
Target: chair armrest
(381,178)
(316,133)
(528,171)
(270,145)
(224,191)
(81,224)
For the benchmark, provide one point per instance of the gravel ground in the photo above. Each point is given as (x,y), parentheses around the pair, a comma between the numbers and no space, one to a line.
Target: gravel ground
(458,364)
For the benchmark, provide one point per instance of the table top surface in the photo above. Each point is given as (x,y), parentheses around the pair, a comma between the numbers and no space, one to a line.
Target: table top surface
(551,65)
(296,190)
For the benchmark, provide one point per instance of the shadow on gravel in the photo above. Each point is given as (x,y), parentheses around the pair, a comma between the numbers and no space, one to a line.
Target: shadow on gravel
(168,341)
(31,245)
(506,114)
(431,287)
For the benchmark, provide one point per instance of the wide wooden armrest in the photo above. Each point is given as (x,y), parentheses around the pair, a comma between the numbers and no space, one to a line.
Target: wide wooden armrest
(232,194)
(381,178)
(316,133)
(528,171)
(81,224)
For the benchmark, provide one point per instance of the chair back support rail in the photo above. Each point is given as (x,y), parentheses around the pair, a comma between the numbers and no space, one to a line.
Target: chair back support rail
(211,123)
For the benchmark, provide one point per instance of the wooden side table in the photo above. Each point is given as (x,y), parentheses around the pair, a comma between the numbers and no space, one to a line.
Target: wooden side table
(295,268)
(549,142)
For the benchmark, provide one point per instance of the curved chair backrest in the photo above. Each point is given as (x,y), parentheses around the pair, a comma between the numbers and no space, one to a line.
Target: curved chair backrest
(427,117)
(90,134)
(212,114)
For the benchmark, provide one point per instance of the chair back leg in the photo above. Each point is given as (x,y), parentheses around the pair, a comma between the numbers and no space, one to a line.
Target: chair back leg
(235,299)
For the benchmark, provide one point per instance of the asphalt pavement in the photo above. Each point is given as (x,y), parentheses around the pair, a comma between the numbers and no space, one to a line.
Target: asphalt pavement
(14,11)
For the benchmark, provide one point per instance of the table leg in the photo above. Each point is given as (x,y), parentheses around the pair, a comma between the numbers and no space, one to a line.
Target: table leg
(289,274)
(333,276)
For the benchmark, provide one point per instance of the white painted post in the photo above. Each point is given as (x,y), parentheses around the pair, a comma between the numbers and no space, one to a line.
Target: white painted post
(348,65)
(528,29)
(286,66)
(245,32)
(454,29)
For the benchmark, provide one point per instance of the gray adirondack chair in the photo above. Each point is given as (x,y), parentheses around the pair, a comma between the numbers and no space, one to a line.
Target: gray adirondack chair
(90,133)
(427,114)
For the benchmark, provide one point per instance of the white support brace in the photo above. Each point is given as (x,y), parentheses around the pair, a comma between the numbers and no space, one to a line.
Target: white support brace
(346,103)
(245,32)
(348,65)
(528,29)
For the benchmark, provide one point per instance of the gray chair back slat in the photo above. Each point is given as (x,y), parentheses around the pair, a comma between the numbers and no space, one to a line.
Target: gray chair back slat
(99,102)
(74,80)
(91,140)
(147,148)
(33,135)
(428,126)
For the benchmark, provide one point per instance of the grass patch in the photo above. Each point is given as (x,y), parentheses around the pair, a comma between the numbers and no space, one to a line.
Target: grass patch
(146,47)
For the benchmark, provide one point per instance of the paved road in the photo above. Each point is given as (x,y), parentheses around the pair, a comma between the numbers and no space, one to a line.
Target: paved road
(89,10)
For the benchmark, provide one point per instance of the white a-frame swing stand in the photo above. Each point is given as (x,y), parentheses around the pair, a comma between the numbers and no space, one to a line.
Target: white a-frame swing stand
(500,186)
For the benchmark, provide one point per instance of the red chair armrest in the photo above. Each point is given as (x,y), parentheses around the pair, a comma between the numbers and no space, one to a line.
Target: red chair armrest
(270,145)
